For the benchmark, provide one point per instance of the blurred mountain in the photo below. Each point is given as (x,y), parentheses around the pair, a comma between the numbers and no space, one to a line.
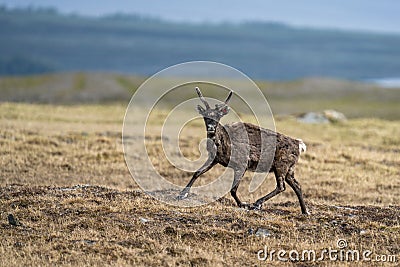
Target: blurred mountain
(42,41)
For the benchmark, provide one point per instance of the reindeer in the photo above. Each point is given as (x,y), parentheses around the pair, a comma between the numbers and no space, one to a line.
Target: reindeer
(243,147)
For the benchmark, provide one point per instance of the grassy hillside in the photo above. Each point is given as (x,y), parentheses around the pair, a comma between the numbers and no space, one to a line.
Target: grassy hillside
(69,88)
(355,100)
(37,41)
(63,178)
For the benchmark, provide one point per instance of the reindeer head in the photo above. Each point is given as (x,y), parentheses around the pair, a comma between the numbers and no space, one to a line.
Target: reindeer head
(212,115)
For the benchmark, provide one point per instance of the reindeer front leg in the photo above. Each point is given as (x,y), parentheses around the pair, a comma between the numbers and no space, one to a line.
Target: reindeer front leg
(212,152)
(206,166)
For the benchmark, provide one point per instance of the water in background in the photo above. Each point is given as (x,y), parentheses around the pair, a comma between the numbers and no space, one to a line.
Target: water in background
(392,83)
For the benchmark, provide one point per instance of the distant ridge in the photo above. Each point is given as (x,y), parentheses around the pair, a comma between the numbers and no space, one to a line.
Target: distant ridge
(354,99)
(42,41)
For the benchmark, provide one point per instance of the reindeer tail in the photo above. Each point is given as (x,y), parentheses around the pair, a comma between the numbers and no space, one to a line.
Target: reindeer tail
(302,146)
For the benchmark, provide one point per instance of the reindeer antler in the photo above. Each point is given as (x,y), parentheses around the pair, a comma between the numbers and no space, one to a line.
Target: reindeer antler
(202,98)
(228,97)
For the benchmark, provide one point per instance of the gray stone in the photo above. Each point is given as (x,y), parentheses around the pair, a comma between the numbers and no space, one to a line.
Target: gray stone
(313,117)
(325,116)
(263,232)
(143,220)
(334,116)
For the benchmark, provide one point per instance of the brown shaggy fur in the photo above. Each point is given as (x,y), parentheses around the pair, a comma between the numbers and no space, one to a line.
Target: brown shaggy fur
(244,146)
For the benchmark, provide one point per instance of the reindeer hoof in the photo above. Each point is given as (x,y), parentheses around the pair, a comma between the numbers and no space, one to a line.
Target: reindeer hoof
(250,206)
(182,195)
(255,206)
(306,213)
(244,205)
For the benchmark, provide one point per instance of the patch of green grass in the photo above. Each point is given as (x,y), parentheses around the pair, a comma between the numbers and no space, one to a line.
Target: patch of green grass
(7,83)
(79,81)
(127,84)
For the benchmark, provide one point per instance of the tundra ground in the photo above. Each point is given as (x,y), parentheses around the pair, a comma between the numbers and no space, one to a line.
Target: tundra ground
(64,180)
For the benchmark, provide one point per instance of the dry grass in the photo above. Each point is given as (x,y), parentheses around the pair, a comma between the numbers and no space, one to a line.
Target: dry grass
(350,176)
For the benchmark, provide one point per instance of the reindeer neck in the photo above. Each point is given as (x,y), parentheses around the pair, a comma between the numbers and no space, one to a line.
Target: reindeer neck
(213,135)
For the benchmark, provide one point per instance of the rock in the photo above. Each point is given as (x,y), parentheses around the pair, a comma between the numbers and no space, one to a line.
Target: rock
(143,220)
(13,221)
(345,208)
(169,230)
(363,232)
(334,116)
(313,117)
(325,116)
(334,222)
(89,242)
(18,244)
(85,241)
(261,232)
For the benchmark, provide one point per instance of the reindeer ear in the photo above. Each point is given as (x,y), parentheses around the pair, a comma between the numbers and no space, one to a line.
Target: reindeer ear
(200,109)
(224,110)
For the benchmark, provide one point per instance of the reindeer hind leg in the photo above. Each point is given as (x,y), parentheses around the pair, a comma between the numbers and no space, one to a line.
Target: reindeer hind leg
(280,187)
(238,174)
(292,182)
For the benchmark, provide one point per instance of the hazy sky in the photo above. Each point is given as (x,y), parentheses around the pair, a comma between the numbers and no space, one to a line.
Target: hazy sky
(370,15)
